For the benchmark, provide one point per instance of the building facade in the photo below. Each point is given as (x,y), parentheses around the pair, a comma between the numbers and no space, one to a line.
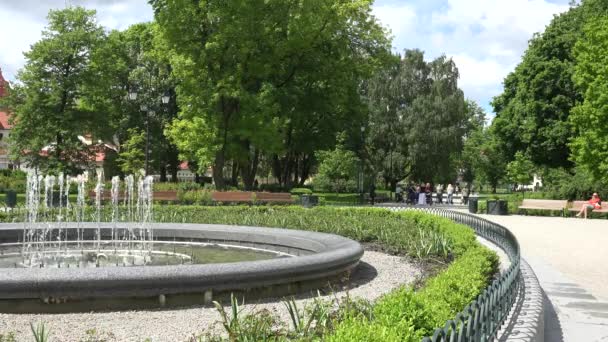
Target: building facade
(5,127)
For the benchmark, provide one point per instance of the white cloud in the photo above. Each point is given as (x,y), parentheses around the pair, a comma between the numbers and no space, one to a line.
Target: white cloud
(400,19)
(24,20)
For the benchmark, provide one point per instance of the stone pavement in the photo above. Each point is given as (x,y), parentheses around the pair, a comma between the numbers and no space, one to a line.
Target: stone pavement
(570,259)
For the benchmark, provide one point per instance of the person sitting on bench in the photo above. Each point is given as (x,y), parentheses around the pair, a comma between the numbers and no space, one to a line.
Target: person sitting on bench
(594,203)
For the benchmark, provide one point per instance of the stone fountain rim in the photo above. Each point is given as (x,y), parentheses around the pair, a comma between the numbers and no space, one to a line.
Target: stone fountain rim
(331,256)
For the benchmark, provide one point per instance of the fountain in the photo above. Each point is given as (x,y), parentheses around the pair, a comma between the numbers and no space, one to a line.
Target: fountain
(120,259)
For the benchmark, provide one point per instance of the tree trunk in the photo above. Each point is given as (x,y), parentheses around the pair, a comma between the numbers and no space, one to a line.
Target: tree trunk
(234,173)
(218,170)
(250,169)
(305,169)
(163,173)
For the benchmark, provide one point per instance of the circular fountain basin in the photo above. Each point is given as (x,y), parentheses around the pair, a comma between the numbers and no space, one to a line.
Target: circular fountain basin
(284,261)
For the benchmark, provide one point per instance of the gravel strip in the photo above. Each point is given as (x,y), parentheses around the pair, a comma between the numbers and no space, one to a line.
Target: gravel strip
(377,274)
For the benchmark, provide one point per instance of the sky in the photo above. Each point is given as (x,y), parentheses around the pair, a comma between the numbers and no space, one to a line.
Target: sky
(486,38)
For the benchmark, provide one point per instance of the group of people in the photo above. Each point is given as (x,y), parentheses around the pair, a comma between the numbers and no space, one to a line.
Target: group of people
(423,194)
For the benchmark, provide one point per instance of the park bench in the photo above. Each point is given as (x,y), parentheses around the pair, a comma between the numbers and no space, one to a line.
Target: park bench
(379,198)
(543,204)
(165,196)
(577,205)
(274,197)
(248,197)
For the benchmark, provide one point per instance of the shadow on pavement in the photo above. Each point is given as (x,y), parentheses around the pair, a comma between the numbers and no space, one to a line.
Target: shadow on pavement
(553,327)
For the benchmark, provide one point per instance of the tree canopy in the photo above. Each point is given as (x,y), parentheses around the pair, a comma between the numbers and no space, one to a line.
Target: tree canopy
(266,77)
(417,118)
(533,110)
(590,117)
(46,101)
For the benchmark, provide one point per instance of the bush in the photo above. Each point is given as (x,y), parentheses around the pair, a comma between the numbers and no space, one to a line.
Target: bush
(301,191)
(198,197)
(406,315)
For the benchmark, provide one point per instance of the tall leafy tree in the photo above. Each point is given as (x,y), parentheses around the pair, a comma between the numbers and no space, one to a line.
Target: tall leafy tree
(532,112)
(590,117)
(135,60)
(264,76)
(483,153)
(520,170)
(46,99)
(417,118)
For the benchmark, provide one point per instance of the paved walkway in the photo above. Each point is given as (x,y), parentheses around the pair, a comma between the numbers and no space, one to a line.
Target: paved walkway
(570,259)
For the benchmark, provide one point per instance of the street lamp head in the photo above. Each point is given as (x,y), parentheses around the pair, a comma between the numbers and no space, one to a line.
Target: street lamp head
(143,108)
(165,98)
(151,113)
(132,95)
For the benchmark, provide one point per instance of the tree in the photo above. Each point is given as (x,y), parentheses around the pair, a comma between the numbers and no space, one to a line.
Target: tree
(590,117)
(46,99)
(265,77)
(337,169)
(417,118)
(135,60)
(532,112)
(131,157)
(483,152)
(474,128)
(519,171)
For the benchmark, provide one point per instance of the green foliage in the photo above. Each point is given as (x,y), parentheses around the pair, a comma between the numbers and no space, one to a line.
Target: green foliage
(245,328)
(417,118)
(407,233)
(93,335)
(198,197)
(46,101)
(253,90)
(337,169)
(520,170)
(132,155)
(573,185)
(301,191)
(590,118)
(9,337)
(13,180)
(134,60)
(406,315)
(40,332)
(533,111)
(483,155)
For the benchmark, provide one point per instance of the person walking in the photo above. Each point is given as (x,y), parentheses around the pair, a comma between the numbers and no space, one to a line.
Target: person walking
(450,191)
(422,195)
(465,195)
(439,190)
(429,193)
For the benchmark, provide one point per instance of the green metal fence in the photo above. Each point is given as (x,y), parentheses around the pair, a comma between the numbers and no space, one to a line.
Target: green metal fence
(481,320)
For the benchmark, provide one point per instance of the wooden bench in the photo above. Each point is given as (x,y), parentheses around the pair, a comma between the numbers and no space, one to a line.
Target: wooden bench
(542,204)
(577,205)
(248,197)
(274,197)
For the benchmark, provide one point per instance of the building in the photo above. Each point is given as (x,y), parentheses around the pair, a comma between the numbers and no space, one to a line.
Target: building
(5,127)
